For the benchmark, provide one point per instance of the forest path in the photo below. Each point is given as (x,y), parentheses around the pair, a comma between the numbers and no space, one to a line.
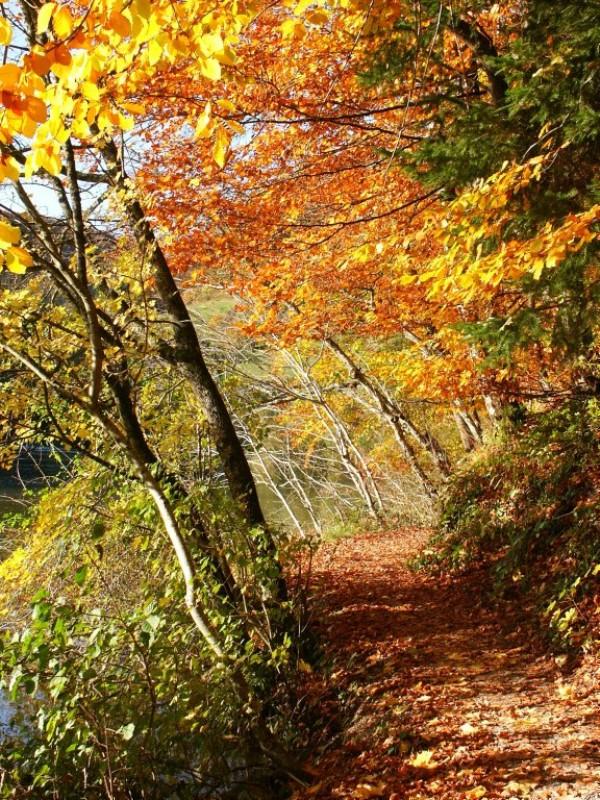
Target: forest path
(442,696)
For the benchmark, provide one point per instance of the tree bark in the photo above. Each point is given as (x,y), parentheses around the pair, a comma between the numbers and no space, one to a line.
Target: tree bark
(188,349)
(401,425)
(353,460)
(468,428)
(483,47)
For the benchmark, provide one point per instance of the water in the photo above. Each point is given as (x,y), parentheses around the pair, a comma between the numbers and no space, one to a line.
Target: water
(33,468)
(6,713)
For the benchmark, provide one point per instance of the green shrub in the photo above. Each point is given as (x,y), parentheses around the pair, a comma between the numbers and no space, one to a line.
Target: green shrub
(115,694)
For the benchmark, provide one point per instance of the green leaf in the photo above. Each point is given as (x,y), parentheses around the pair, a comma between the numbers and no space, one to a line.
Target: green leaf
(41,594)
(81,575)
(98,529)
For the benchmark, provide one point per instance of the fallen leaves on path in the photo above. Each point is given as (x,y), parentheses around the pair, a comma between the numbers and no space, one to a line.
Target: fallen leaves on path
(433,693)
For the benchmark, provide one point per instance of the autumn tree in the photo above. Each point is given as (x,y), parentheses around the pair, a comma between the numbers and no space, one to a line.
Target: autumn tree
(304,217)
(91,334)
(402,200)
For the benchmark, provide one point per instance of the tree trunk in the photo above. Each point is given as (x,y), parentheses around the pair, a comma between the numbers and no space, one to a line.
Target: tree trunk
(469,428)
(190,358)
(400,424)
(352,458)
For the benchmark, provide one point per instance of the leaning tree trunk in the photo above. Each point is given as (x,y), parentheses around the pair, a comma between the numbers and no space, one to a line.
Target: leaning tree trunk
(399,422)
(355,464)
(469,428)
(188,355)
(272,485)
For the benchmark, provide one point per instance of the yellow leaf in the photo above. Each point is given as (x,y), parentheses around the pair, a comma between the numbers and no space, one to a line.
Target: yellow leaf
(476,793)
(423,759)
(555,256)
(136,21)
(134,108)
(126,123)
(210,68)
(63,22)
(44,17)
(538,268)
(142,8)
(15,266)
(290,28)
(9,234)
(154,52)
(80,129)
(407,280)
(5,31)
(105,119)
(301,7)
(17,260)
(90,91)
(58,130)
(211,43)
(227,105)
(203,122)
(221,147)
(9,169)
(236,127)
(47,157)
(226,56)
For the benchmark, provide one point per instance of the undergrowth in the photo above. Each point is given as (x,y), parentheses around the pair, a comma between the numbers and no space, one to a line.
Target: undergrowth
(108,691)
(528,506)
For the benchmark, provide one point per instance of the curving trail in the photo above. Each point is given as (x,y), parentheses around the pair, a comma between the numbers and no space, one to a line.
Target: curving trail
(432,693)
